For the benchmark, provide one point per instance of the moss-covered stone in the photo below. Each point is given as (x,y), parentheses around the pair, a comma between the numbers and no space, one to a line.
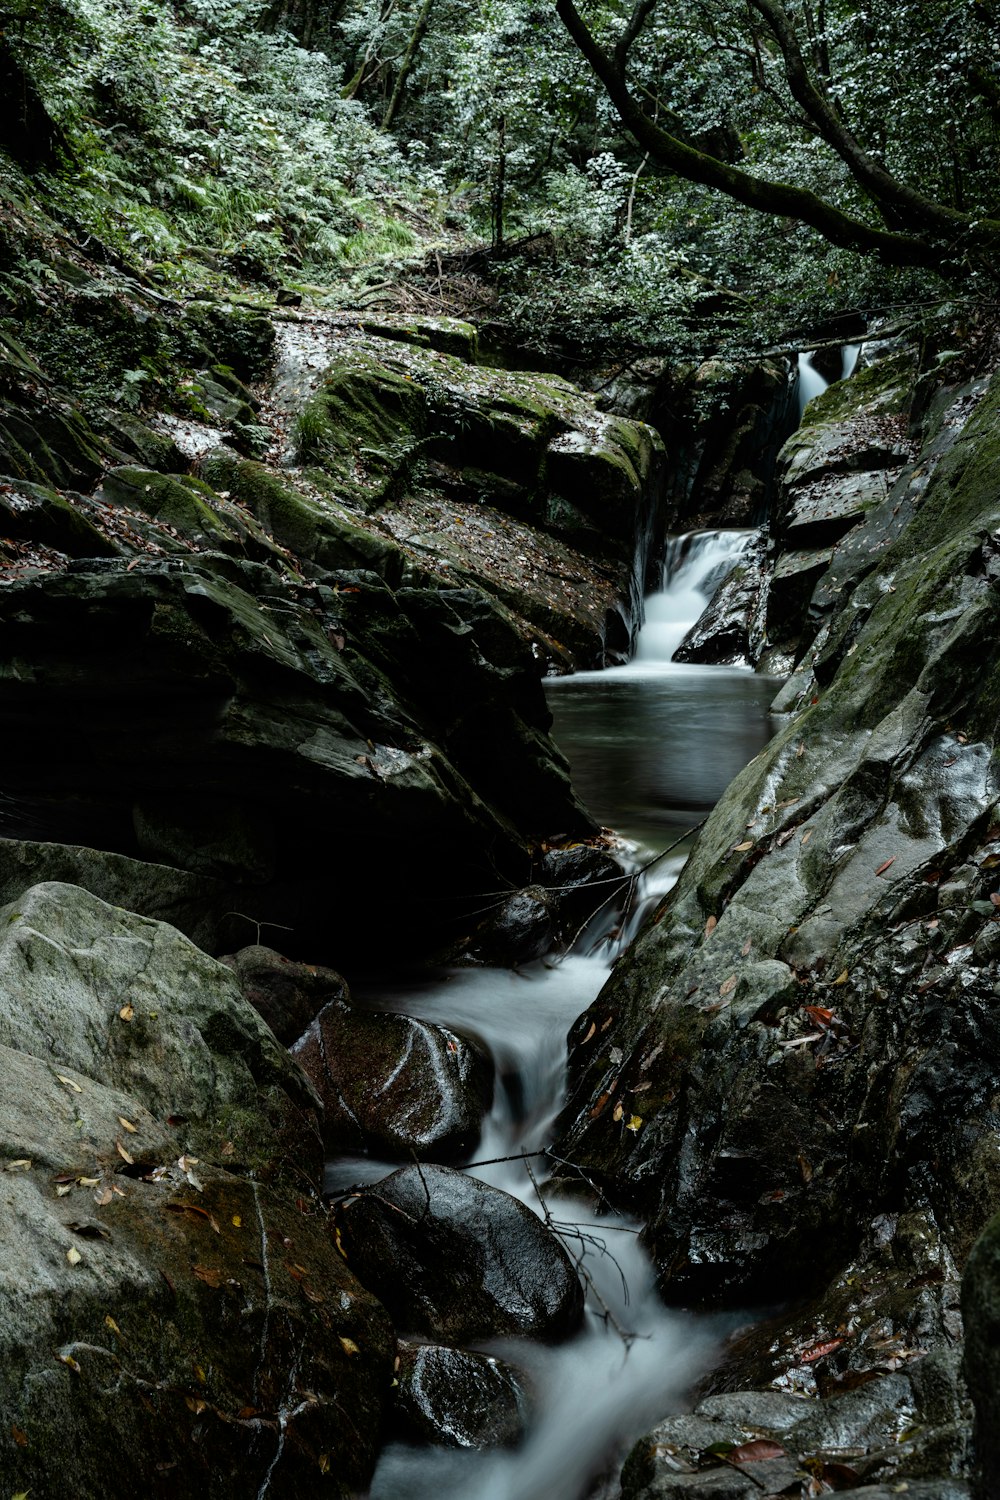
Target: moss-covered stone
(33,513)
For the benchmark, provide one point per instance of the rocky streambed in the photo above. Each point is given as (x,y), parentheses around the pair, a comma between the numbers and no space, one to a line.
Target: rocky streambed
(271,689)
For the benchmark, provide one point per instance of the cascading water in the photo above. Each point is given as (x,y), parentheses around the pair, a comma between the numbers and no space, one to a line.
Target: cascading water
(693,568)
(652,746)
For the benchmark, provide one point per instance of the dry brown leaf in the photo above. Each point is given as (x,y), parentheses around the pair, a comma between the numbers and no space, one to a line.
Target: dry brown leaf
(807,836)
(618,1111)
(69,1083)
(209,1275)
(728,985)
(349,1346)
(73,1256)
(590,1033)
(885,865)
(130,1160)
(19,1435)
(127,1013)
(711,925)
(67,1359)
(127,1125)
(746,844)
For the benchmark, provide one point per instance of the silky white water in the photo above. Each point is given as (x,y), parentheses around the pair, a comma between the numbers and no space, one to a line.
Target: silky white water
(694,567)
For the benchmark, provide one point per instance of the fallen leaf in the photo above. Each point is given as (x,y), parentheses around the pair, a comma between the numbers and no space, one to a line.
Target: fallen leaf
(349,1346)
(805,1168)
(885,865)
(195,1404)
(807,836)
(19,1435)
(819,1015)
(728,985)
(68,1360)
(22,1164)
(754,1452)
(209,1275)
(69,1083)
(73,1256)
(88,1182)
(746,948)
(711,925)
(63,1188)
(842,978)
(635,1124)
(127,1012)
(194,1210)
(618,1111)
(109,1322)
(104,1197)
(313,1296)
(600,1106)
(590,1033)
(124,1154)
(817,1351)
(237,1221)
(127,1125)
(802,1041)
(746,844)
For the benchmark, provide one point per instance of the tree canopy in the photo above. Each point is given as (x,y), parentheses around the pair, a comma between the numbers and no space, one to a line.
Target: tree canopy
(781,162)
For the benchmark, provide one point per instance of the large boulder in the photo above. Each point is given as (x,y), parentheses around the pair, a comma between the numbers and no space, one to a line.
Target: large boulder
(135,1006)
(289,995)
(172,1314)
(159,711)
(458,1261)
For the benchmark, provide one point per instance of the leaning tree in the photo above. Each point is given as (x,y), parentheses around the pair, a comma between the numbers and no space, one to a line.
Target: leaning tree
(902,97)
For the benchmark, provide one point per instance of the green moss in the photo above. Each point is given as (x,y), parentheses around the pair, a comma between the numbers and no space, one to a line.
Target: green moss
(183,504)
(886,386)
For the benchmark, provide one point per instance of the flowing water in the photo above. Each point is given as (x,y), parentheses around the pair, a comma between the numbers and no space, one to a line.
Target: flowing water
(652,746)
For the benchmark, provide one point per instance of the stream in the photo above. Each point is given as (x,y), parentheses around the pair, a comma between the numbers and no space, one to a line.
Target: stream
(652,746)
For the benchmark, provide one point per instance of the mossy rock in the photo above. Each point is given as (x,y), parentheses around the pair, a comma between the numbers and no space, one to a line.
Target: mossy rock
(239,337)
(448,335)
(312,529)
(184,504)
(30,512)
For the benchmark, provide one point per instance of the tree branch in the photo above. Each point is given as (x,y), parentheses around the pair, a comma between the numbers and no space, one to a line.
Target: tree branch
(840,228)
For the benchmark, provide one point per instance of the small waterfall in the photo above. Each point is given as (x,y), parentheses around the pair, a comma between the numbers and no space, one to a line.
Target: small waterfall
(809,382)
(693,568)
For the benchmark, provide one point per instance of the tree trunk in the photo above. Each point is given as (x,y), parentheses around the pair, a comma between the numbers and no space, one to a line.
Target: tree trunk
(406,66)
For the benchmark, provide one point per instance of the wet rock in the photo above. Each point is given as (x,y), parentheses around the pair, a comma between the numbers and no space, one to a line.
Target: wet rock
(722,636)
(162,1337)
(393,1085)
(164,1323)
(879,1433)
(522,928)
(288,995)
(457,1260)
(457,1399)
(133,1005)
(981,1314)
(858,1080)
(580,877)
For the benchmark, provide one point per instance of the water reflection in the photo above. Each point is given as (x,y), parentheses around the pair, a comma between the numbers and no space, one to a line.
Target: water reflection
(652,750)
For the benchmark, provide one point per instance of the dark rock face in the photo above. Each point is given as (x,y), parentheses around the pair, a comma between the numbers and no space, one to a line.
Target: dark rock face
(288,995)
(456,1260)
(981,1313)
(456,1399)
(165,715)
(810,1004)
(393,1085)
(861,1440)
(724,635)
